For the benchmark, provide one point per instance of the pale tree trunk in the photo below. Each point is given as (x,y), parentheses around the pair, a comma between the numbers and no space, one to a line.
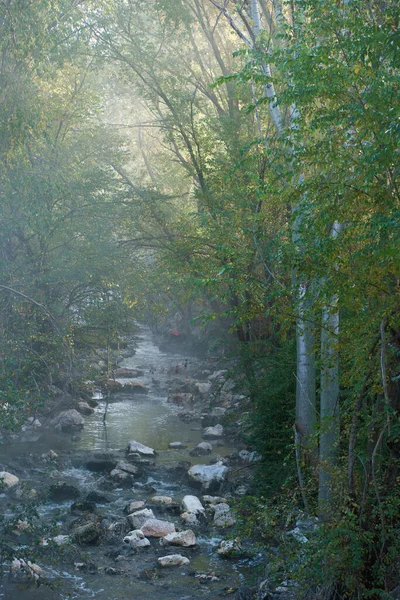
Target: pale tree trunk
(329,408)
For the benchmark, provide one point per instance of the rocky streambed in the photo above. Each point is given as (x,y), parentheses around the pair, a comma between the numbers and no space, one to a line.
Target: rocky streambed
(141,506)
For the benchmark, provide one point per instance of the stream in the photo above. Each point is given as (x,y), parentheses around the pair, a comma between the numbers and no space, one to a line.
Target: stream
(108,571)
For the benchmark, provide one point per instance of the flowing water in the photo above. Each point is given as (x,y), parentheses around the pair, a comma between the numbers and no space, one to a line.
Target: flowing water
(153,421)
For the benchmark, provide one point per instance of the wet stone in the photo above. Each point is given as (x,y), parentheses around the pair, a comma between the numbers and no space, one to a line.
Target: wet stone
(139,517)
(173,560)
(134,506)
(83,506)
(63,491)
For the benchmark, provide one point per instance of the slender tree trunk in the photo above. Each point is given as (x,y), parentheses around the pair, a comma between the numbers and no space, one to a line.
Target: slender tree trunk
(329,399)
(329,410)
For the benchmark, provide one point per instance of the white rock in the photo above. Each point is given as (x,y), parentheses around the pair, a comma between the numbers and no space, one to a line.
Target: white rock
(136,539)
(134,506)
(298,535)
(223,516)
(20,566)
(8,480)
(138,448)
(127,467)
(176,445)
(213,432)
(173,560)
(217,375)
(85,409)
(190,519)
(203,386)
(161,500)
(228,547)
(61,540)
(192,504)
(157,528)
(201,449)
(208,475)
(182,538)
(247,456)
(139,517)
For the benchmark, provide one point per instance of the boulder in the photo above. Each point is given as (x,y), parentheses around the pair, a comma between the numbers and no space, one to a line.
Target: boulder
(182,538)
(97,497)
(213,432)
(157,528)
(191,504)
(8,480)
(85,409)
(136,539)
(68,420)
(228,548)
(165,500)
(127,467)
(208,476)
(190,519)
(122,477)
(61,540)
(173,560)
(125,373)
(201,449)
(140,449)
(203,387)
(22,570)
(63,491)
(139,517)
(134,506)
(89,533)
(223,516)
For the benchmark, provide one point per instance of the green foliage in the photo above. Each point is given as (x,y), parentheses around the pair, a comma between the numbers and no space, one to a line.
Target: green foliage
(268,370)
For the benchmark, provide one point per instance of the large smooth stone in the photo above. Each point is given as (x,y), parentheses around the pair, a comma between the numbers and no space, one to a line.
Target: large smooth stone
(134,506)
(127,467)
(8,480)
(139,517)
(182,538)
(164,500)
(157,528)
(136,539)
(173,560)
(135,447)
(208,476)
(213,432)
(192,504)
(68,420)
(201,449)
(85,409)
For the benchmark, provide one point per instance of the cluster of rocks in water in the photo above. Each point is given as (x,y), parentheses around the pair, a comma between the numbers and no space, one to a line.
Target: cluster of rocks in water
(157,523)
(154,524)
